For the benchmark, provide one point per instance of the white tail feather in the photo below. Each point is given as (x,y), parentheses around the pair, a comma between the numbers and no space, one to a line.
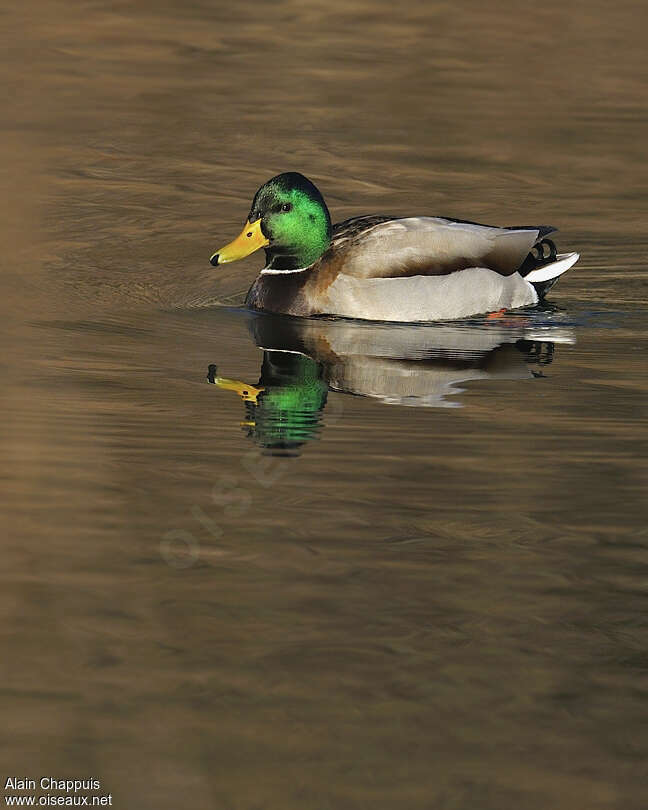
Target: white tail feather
(548,271)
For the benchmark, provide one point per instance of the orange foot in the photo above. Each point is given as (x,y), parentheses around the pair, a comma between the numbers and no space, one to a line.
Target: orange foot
(499,314)
(501,317)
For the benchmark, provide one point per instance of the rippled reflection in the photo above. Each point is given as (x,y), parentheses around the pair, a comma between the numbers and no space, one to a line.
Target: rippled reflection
(283,411)
(419,366)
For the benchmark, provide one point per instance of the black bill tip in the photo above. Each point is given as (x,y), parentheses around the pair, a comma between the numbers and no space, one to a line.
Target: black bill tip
(214,260)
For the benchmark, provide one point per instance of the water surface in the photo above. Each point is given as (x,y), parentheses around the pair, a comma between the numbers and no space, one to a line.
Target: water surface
(410,571)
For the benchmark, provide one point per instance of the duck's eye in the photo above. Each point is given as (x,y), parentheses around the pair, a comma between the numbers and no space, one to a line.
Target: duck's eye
(286,207)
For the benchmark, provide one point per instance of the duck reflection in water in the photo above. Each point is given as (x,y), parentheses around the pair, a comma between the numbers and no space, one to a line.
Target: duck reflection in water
(420,366)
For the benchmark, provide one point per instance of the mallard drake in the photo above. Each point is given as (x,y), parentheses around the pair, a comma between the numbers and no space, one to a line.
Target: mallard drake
(387,268)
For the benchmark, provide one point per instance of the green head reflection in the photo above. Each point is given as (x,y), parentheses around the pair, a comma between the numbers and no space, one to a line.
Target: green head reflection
(283,411)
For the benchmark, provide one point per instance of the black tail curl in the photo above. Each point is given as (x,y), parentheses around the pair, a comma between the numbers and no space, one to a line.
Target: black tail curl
(543,252)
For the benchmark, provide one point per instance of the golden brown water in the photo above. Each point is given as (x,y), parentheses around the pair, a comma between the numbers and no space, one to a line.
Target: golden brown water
(421,607)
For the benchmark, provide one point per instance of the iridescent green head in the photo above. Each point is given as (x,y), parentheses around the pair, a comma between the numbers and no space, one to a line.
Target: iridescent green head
(288,218)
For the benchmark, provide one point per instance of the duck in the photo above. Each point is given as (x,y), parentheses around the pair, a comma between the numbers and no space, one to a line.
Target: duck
(403,269)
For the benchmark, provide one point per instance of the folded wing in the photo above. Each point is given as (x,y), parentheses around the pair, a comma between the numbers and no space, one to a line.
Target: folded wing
(387,247)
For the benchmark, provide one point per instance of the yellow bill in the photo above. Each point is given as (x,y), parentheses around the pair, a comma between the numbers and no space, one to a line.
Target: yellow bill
(250,239)
(248,393)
